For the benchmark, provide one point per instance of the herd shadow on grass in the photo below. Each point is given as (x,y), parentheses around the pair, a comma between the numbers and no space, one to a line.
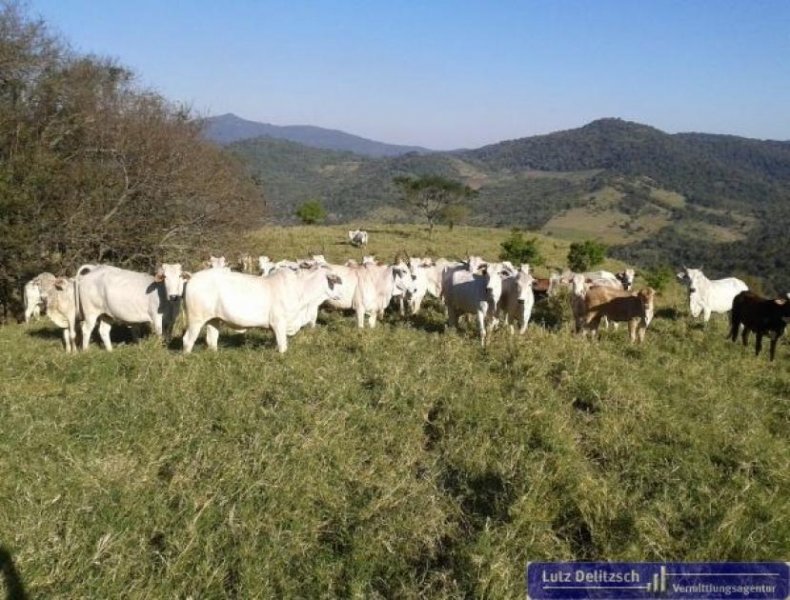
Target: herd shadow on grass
(14,587)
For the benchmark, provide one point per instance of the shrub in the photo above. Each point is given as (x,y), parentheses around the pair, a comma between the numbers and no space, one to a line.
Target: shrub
(659,278)
(518,249)
(582,256)
(311,212)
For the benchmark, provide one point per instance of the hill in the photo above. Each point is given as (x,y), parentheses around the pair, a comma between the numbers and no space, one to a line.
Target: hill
(228,128)
(722,201)
(396,462)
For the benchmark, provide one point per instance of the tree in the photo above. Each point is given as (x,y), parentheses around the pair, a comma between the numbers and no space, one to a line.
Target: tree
(311,212)
(582,256)
(519,250)
(455,214)
(431,195)
(94,168)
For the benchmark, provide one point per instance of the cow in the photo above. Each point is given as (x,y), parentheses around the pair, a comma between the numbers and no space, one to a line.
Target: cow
(216,262)
(708,296)
(62,309)
(265,265)
(358,238)
(282,301)
(763,316)
(111,295)
(246,263)
(579,288)
(543,287)
(473,287)
(626,278)
(376,286)
(618,306)
(517,298)
(32,296)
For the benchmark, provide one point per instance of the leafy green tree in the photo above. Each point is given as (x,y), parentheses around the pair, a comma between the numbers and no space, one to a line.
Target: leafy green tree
(311,212)
(659,278)
(518,249)
(432,195)
(582,256)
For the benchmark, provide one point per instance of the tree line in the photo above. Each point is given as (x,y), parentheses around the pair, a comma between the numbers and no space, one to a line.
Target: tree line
(95,168)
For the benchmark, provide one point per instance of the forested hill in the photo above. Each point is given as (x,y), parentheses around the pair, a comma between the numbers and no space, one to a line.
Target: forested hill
(718,200)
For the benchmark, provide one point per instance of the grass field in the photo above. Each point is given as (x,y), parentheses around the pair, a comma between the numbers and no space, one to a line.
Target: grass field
(398,462)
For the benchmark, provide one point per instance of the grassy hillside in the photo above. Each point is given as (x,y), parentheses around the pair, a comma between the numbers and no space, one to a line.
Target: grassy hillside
(398,462)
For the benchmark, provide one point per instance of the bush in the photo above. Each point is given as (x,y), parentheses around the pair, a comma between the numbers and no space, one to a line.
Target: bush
(582,256)
(659,278)
(311,212)
(517,249)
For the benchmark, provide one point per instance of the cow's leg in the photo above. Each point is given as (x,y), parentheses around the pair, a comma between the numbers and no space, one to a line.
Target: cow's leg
(759,345)
(212,335)
(360,317)
(642,331)
(372,318)
(774,339)
(481,324)
(745,335)
(191,335)
(281,336)
(706,314)
(632,330)
(452,317)
(66,339)
(87,329)
(104,333)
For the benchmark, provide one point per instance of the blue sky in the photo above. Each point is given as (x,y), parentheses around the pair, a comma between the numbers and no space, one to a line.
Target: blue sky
(448,74)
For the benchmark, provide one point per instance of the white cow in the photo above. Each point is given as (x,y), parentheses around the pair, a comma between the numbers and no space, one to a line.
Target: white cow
(358,238)
(282,301)
(517,298)
(111,295)
(216,262)
(472,288)
(265,265)
(626,278)
(62,309)
(376,286)
(579,289)
(708,296)
(34,301)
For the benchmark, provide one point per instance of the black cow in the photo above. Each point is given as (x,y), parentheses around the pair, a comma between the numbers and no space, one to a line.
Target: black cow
(761,315)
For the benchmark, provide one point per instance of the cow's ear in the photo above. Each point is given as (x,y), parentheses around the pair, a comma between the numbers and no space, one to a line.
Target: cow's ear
(160,276)
(186,275)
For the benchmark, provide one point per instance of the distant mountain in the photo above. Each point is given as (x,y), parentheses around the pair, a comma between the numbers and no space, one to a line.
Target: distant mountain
(228,128)
(656,198)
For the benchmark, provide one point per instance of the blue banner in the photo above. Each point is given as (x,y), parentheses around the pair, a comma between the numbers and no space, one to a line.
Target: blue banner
(672,580)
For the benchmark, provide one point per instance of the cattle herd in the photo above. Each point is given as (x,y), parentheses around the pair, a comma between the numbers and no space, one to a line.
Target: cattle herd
(285,296)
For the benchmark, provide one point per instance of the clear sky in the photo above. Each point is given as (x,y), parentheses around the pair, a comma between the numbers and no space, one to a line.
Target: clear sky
(452,73)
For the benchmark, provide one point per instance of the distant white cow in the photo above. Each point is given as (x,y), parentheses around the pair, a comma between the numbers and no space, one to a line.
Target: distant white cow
(216,262)
(474,287)
(517,298)
(358,238)
(708,296)
(111,295)
(282,301)
(34,301)
(265,265)
(62,309)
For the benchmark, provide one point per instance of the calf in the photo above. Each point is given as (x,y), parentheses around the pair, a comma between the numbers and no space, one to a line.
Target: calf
(34,297)
(617,306)
(62,309)
(474,287)
(761,315)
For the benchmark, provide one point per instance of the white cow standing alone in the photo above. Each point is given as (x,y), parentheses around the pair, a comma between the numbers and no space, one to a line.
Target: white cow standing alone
(707,296)
(110,295)
(32,295)
(282,301)
(358,238)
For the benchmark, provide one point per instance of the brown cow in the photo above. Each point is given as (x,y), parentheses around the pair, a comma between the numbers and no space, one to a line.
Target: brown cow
(618,305)
(761,315)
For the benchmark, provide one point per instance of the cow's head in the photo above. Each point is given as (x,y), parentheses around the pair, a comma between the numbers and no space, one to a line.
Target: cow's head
(784,307)
(626,278)
(524,283)
(403,280)
(647,299)
(369,259)
(578,285)
(216,262)
(174,278)
(334,285)
(493,277)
